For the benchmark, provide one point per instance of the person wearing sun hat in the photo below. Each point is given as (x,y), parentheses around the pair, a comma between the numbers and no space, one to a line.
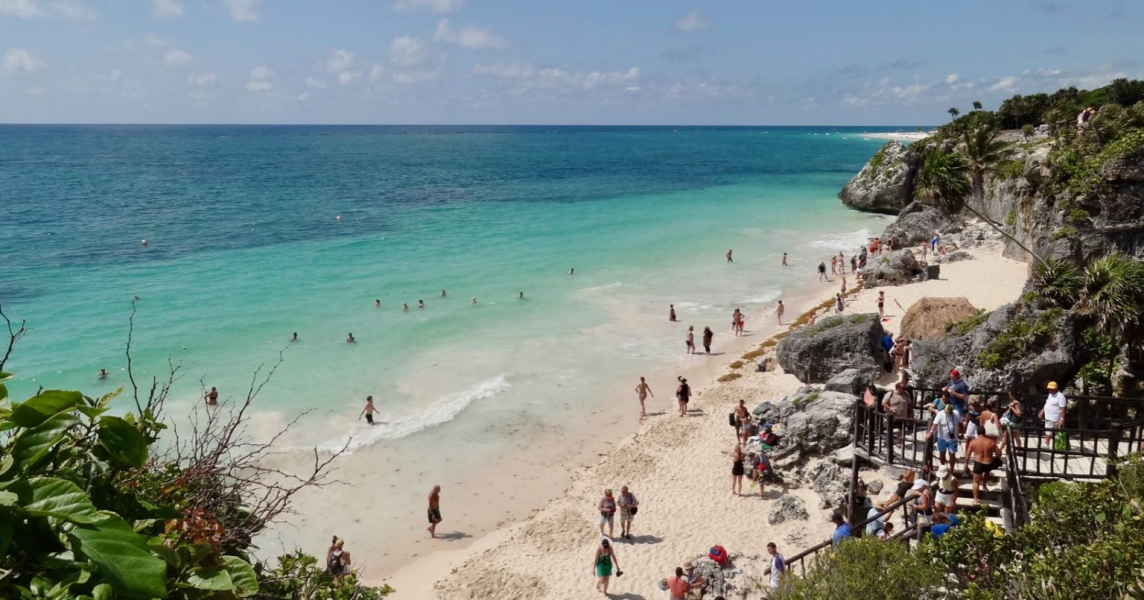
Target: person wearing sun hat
(1056,405)
(946,490)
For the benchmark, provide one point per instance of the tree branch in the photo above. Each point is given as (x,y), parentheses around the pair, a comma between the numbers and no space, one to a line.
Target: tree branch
(14,336)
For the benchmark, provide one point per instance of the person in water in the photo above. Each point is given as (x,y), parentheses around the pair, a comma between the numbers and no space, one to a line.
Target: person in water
(295,337)
(642,391)
(474,299)
(102,374)
(784,259)
(350,338)
(212,396)
(368,411)
(420,304)
(729,259)
(377,303)
(434,510)
(520,296)
(671,313)
(572,271)
(442,293)
(683,394)
(404,306)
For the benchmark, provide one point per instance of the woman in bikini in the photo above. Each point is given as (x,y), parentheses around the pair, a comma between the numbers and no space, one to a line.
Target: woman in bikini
(642,391)
(737,470)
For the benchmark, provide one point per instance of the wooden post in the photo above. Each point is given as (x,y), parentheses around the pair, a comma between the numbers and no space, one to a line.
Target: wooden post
(889,420)
(852,497)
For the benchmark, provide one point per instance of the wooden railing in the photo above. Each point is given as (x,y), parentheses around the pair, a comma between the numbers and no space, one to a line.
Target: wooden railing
(1014,499)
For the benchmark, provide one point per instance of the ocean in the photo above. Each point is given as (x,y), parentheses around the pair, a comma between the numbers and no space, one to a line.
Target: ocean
(255,233)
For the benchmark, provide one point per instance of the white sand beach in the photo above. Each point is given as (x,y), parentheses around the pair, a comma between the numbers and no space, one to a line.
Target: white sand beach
(901,136)
(679,468)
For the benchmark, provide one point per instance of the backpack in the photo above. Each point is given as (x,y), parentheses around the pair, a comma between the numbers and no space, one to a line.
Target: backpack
(334,564)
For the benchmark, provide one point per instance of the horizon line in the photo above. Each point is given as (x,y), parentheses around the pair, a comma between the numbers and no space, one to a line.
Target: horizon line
(173,124)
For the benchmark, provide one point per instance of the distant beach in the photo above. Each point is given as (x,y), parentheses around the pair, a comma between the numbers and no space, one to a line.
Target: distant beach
(901,136)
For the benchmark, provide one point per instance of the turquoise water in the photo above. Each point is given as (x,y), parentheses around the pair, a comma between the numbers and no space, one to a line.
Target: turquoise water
(245,247)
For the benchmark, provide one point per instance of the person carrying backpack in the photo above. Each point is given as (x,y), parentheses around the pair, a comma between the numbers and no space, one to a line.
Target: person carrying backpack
(337,559)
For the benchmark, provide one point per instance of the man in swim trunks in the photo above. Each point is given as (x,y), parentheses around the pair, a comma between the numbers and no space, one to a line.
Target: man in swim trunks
(434,510)
(986,456)
(690,339)
(368,410)
(784,259)
(642,390)
(822,272)
(350,338)
(671,313)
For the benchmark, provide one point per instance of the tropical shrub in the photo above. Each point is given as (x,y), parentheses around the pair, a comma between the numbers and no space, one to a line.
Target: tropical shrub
(865,569)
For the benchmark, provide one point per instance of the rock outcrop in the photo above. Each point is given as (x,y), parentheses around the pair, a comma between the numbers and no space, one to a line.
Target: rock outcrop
(813,421)
(817,353)
(884,184)
(917,223)
(830,482)
(787,508)
(895,268)
(1017,347)
(849,381)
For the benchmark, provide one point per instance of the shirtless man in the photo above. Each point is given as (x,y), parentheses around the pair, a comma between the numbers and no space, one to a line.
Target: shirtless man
(404,306)
(442,293)
(377,303)
(102,374)
(779,312)
(642,391)
(986,456)
(784,259)
(520,296)
(434,510)
(420,304)
(843,284)
(212,396)
(367,412)
(671,313)
(295,338)
(729,259)
(350,338)
(841,263)
(690,339)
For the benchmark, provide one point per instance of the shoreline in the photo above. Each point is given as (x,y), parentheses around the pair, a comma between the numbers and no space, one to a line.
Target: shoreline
(536,557)
(901,136)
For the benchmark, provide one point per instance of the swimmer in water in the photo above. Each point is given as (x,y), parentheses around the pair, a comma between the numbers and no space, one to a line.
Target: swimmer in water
(102,374)
(474,299)
(520,296)
(338,218)
(572,271)
(295,338)
(729,259)
(212,396)
(377,303)
(420,304)
(144,242)
(442,293)
(404,306)
(350,338)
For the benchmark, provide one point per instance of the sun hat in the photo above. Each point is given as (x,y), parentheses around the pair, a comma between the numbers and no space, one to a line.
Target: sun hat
(1052,385)
(942,472)
(687,566)
(919,484)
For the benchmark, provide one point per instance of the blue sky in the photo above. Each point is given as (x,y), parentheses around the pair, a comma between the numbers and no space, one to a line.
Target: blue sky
(542,61)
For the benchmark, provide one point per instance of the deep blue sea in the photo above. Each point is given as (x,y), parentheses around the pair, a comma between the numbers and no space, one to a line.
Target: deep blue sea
(255,233)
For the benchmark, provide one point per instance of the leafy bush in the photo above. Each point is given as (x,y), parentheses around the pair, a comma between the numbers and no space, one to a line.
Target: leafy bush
(865,569)
(298,575)
(1011,169)
(1019,336)
(980,315)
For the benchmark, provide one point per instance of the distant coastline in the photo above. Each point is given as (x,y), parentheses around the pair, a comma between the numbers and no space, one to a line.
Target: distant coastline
(901,136)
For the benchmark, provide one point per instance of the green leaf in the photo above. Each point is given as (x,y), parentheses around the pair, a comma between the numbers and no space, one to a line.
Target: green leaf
(6,463)
(213,579)
(5,376)
(8,498)
(122,441)
(3,391)
(38,409)
(52,497)
(102,592)
(91,411)
(123,558)
(6,521)
(34,444)
(242,574)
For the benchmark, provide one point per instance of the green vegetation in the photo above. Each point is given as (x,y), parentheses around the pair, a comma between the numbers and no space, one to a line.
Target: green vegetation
(831,322)
(877,159)
(859,318)
(964,327)
(89,508)
(1019,336)
(299,575)
(865,569)
(1010,169)
(800,401)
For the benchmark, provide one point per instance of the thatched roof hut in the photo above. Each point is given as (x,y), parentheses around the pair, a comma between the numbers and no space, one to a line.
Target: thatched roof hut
(927,317)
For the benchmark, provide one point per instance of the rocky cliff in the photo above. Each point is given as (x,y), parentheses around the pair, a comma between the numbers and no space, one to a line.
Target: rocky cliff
(884,184)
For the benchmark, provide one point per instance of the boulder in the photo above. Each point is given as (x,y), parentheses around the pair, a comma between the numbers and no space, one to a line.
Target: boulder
(1017,346)
(787,508)
(883,184)
(916,223)
(927,317)
(896,268)
(849,381)
(830,482)
(812,421)
(816,353)
(955,256)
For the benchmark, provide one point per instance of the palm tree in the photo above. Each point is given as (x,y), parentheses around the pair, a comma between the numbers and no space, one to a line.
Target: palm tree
(1112,295)
(953,112)
(984,152)
(976,105)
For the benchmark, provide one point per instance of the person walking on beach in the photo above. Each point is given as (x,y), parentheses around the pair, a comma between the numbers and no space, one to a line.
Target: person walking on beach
(779,310)
(671,313)
(778,565)
(367,412)
(350,338)
(853,264)
(602,565)
(683,395)
(629,505)
(881,305)
(841,263)
(735,322)
(707,337)
(784,259)
(737,470)
(607,508)
(822,272)
(642,391)
(1053,413)
(843,290)
(337,559)
(833,265)
(690,339)
(729,259)
(434,510)
(839,304)
(212,396)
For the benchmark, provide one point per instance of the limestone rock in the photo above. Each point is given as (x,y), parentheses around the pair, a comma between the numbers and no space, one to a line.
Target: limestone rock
(787,508)
(955,256)
(883,184)
(897,268)
(830,483)
(816,353)
(916,223)
(812,421)
(849,381)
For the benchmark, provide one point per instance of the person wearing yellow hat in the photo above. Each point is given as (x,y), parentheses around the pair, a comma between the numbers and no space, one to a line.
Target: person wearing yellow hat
(1056,405)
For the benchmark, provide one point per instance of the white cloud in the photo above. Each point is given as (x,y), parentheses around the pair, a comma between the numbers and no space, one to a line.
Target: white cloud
(202,80)
(20,61)
(260,80)
(167,9)
(437,6)
(406,51)
(514,70)
(348,77)
(303,97)
(177,58)
(596,78)
(72,9)
(21,9)
(242,11)
(153,40)
(952,78)
(340,60)
(315,84)
(1005,84)
(691,22)
(473,38)
(376,73)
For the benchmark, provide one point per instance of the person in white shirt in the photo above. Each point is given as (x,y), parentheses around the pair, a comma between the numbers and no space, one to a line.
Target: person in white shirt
(1054,411)
(945,425)
(778,565)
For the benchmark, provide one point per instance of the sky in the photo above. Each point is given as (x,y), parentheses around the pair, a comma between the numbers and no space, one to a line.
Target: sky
(640,62)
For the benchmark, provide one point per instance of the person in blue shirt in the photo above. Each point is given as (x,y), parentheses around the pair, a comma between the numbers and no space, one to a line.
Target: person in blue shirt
(841,529)
(942,523)
(958,392)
